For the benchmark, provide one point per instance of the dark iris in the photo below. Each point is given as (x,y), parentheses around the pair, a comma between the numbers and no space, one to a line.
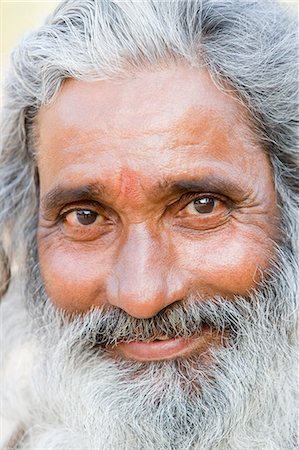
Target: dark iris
(86,217)
(204,205)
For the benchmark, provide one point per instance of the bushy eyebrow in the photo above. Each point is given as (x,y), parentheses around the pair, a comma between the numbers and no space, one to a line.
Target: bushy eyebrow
(59,196)
(214,184)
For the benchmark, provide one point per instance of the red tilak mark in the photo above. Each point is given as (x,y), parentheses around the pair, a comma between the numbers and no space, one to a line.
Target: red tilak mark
(129,184)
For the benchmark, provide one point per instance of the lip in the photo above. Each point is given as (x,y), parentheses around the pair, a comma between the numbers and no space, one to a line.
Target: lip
(163,350)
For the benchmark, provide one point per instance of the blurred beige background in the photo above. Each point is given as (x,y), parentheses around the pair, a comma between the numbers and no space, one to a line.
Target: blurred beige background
(19,17)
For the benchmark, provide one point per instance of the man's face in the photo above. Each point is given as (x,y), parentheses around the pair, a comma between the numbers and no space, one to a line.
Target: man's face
(152,189)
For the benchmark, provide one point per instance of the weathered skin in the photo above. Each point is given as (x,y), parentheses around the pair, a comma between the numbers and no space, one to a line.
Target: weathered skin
(148,246)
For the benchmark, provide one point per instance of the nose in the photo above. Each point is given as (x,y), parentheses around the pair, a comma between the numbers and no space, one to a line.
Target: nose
(143,279)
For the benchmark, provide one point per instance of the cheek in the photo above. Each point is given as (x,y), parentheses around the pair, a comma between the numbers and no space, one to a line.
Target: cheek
(74,280)
(227,264)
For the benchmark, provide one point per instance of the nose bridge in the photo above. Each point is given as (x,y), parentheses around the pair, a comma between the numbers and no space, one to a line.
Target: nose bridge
(140,282)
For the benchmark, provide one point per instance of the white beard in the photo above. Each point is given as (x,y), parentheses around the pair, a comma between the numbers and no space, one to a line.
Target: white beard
(75,398)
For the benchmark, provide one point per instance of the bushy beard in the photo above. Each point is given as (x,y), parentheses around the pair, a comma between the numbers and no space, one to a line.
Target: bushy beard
(239,395)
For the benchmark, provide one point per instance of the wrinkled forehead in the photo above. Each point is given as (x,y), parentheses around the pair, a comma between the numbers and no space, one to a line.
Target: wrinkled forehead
(167,118)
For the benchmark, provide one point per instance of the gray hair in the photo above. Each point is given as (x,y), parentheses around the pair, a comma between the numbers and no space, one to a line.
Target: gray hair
(249,47)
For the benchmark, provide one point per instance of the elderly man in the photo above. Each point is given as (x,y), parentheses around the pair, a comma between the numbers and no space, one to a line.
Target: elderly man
(148,197)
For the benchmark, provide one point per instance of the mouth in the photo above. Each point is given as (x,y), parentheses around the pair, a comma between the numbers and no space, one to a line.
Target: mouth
(164,348)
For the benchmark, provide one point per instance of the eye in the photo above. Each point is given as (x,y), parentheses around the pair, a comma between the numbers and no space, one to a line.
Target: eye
(82,217)
(86,217)
(203,212)
(85,223)
(203,205)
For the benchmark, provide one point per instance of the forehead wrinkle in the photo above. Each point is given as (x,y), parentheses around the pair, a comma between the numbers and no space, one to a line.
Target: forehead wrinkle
(200,125)
(237,123)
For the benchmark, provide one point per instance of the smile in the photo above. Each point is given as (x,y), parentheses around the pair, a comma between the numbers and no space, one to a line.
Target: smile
(164,349)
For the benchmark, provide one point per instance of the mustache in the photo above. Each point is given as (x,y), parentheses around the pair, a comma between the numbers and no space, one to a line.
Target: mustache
(108,325)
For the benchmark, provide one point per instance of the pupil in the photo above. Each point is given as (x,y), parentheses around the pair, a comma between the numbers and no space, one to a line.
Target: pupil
(204,205)
(86,217)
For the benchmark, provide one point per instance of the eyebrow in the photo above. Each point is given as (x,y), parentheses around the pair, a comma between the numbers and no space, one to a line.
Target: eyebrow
(214,184)
(59,196)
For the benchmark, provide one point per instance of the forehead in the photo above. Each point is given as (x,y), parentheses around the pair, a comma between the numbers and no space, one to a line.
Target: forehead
(166,120)
(128,105)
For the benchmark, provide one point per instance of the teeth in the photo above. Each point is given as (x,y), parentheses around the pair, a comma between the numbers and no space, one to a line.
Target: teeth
(161,338)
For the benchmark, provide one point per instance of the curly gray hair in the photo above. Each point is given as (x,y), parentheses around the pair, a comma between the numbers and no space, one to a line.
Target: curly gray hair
(249,47)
